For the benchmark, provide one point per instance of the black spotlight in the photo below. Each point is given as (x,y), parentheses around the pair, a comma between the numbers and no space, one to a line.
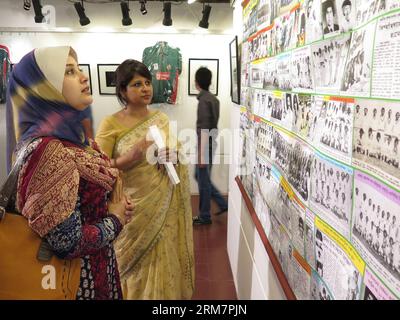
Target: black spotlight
(126,19)
(38,11)
(143,6)
(167,21)
(206,15)
(27,4)
(83,19)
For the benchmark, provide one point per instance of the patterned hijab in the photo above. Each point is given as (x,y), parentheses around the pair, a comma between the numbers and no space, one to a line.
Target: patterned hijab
(35,104)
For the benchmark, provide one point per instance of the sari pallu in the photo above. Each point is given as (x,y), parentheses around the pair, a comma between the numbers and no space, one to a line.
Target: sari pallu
(155,250)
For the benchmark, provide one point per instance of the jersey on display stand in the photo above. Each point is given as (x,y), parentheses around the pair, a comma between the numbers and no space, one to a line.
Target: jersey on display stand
(165,65)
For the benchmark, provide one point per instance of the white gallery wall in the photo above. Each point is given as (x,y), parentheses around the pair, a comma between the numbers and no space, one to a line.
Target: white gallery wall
(105,41)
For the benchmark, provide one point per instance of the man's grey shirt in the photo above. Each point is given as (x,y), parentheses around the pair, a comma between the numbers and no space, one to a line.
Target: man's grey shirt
(207,111)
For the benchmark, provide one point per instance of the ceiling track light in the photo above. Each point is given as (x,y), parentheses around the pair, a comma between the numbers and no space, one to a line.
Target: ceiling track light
(167,21)
(83,19)
(206,15)
(143,6)
(39,17)
(126,19)
(27,4)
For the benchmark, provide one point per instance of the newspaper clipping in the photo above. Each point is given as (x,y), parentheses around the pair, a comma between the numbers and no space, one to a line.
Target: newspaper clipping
(376,228)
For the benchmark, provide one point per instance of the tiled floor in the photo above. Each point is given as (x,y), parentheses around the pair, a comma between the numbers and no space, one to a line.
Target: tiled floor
(214,279)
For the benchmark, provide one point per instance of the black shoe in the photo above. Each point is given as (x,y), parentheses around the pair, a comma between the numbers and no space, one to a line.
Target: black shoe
(197,221)
(221,211)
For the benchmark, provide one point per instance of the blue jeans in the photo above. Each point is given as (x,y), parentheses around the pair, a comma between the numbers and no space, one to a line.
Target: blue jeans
(207,192)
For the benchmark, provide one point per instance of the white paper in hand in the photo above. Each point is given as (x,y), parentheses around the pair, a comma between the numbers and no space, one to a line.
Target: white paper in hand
(156,135)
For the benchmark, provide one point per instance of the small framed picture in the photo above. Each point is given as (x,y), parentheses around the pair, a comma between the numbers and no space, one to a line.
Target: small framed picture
(235,71)
(106,75)
(86,70)
(194,65)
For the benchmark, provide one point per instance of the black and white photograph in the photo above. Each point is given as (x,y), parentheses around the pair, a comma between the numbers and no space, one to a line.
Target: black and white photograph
(258,45)
(275,8)
(250,23)
(301,27)
(263,103)
(377,135)
(299,169)
(277,108)
(283,31)
(245,75)
(376,225)
(294,159)
(283,70)
(282,110)
(106,77)
(264,134)
(369,9)
(298,225)
(353,285)
(347,14)
(298,27)
(266,182)
(270,74)
(328,60)
(249,104)
(244,95)
(319,253)
(257,76)
(246,165)
(330,18)
(245,52)
(263,14)
(279,40)
(319,290)
(282,145)
(289,33)
(309,242)
(288,111)
(331,192)
(280,242)
(261,208)
(335,127)
(302,113)
(301,70)
(357,71)
(313,21)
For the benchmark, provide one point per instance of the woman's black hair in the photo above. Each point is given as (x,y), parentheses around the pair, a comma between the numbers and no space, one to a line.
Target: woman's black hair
(125,72)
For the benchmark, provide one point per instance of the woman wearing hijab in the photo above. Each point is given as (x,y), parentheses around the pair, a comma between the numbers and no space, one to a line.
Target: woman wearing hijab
(65,180)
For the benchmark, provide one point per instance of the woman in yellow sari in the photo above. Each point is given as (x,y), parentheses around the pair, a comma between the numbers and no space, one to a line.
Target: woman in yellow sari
(155,250)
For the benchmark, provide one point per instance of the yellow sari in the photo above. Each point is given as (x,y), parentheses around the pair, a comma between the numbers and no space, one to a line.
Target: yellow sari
(155,250)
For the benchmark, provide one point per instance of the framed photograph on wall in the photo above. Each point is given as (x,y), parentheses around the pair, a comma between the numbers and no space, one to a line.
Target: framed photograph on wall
(86,70)
(235,71)
(212,65)
(106,75)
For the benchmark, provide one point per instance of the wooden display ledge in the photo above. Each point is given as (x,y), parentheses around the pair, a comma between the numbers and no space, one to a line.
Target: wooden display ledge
(271,254)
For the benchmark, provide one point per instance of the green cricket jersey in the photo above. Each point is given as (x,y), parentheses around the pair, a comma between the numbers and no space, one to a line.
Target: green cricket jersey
(165,65)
